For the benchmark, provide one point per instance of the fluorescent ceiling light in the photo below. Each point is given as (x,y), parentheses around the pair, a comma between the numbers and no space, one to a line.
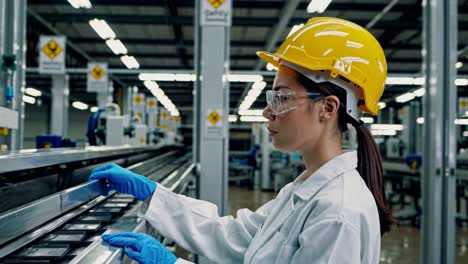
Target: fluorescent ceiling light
(367,120)
(251,112)
(33,92)
(387,127)
(382,105)
(29,99)
(102,28)
(80,3)
(465,133)
(293,30)
(116,46)
(387,132)
(185,77)
(458,65)
(80,105)
(419,92)
(130,62)
(404,81)
(318,6)
(405,98)
(270,67)
(245,78)
(420,120)
(461,82)
(259,85)
(232,118)
(94,109)
(461,121)
(253,119)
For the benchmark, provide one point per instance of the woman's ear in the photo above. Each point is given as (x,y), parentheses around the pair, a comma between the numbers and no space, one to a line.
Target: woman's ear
(331,105)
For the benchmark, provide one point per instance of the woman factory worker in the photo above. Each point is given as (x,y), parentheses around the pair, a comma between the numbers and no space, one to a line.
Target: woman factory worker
(329,72)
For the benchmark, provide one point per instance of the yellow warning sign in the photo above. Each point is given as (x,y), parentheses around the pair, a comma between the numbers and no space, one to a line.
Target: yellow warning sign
(52,49)
(463,103)
(164,115)
(151,103)
(214,117)
(138,99)
(216,3)
(97,72)
(140,115)
(142,141)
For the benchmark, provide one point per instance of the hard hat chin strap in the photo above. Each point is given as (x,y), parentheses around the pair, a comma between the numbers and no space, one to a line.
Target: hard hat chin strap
(352,93)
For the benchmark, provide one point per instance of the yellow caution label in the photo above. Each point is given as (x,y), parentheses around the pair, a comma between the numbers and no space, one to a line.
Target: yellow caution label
(140,115)
(216,3)
(214,117)
(151,104)
(164,115)
(164,126)
(142,141)
(463,103)
(4,131)
(97,72)
(52,49)
(138,99)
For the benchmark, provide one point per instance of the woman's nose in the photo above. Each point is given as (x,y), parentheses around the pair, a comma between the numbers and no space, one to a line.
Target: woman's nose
(268,114)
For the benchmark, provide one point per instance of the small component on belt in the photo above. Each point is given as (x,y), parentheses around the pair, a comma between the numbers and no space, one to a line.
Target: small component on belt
(44,252)
(82,227)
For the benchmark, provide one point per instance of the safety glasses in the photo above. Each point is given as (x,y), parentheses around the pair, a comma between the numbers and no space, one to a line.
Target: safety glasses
(281,102)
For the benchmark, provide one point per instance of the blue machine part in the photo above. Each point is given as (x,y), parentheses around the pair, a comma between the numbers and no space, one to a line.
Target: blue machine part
(93,123)
(9,94)
(413,161)
(48,141)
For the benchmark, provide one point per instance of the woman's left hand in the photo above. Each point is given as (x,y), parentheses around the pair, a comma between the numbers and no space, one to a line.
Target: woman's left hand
(141,247)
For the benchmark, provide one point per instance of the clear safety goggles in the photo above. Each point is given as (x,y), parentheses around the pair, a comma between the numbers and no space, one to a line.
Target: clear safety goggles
(280,102)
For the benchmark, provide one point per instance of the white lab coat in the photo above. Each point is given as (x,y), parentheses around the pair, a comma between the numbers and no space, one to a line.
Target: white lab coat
(331,217)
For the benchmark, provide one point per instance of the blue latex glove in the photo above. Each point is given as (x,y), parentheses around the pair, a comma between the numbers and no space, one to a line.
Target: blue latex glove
(141,247)
(124,181)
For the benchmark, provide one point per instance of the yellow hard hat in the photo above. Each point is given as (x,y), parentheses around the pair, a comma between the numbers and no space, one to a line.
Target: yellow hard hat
(342,48)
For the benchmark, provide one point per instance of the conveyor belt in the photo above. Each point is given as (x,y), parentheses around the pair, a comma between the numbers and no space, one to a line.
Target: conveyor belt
(70,235)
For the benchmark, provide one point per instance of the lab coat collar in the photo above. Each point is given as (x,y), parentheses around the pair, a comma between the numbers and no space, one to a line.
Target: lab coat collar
(330,170)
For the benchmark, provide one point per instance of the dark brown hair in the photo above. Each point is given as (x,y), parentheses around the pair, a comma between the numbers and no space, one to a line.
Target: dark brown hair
(369,158)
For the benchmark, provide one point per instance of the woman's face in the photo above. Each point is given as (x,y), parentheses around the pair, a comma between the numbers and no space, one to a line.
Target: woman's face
(298,128)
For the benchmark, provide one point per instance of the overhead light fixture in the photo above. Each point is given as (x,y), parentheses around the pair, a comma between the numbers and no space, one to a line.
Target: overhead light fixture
(387,127)
(161,97)
(293,30)
(420,120)
(405,97)
(80,105)
(388,132)
(251,112)
(102,28)
(367,120)
(29,99)
(80,3)
(182,77)
(33,92)
(318,6)
(116,46)
(461,82)
(130,62)
(253,119)
(382,105)
(404,81)
(461,121)
(270,67)
(94,109)
(245,78)
(458,65)
(419,92)
(259,85)
(232,118)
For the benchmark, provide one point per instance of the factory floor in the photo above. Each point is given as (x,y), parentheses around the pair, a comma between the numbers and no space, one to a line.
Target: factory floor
(401,245)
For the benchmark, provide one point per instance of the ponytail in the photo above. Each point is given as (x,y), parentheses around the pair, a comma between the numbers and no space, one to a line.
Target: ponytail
(370,169)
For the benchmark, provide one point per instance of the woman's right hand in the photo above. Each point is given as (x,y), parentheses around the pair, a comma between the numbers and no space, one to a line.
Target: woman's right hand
(124,181)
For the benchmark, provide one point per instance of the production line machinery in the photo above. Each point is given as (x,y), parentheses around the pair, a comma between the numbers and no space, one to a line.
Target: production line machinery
(403,186)
(64,225)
